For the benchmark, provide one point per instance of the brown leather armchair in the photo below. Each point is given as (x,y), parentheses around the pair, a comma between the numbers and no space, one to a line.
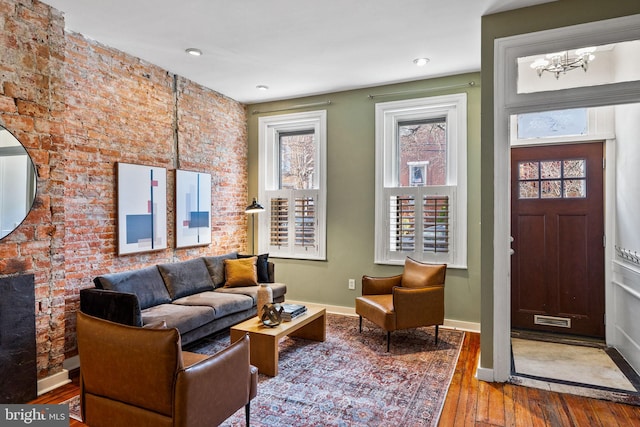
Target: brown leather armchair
(409,300)
(131,376)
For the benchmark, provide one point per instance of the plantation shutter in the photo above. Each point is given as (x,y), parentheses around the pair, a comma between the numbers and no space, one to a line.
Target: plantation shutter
(293,222)
(421,230)
(403,223)
(305,213)
(435,220)
(279,222)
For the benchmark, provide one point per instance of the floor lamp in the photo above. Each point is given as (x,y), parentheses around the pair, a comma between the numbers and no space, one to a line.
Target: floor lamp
(253,209)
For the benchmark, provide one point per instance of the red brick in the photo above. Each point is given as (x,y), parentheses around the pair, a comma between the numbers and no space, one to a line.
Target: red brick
(94,106)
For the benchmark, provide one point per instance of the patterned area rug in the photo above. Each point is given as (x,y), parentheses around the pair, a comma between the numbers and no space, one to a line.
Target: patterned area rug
(350,379)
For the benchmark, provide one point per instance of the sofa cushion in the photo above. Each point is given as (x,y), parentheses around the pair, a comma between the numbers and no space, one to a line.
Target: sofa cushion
(222,304)
(186,277)
(145,283)
(240,272)
(185,318)
(278,289)
(262,265)
(215,265)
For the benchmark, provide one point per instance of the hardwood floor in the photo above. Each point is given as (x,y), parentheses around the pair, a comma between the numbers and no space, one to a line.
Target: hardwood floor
(475,403)
(61,394)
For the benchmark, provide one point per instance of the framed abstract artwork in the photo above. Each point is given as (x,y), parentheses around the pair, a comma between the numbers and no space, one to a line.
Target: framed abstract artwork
(142,208)
(193,208)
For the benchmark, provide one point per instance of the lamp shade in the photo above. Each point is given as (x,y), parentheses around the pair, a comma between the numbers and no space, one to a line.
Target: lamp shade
(254,207)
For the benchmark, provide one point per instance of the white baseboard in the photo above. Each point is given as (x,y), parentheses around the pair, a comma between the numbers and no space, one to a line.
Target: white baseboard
(53,381)
(61,378)
(484,374)
(462,325)
(351,311)
(336,309)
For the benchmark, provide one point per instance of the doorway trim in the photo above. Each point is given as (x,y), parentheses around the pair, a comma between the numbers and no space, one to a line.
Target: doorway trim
(507,102)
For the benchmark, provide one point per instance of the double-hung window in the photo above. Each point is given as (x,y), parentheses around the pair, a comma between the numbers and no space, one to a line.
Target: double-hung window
(292,185)
(421,147)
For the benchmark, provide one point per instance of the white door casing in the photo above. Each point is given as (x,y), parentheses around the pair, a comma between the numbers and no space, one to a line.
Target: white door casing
(507,102)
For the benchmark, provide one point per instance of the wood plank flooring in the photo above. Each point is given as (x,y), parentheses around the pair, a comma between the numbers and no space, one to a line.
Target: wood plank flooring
(475,403)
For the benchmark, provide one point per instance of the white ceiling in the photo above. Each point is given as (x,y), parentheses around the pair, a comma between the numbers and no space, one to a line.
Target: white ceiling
(295,47)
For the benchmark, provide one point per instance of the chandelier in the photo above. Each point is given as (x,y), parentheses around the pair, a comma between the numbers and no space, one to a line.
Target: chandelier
(561,62)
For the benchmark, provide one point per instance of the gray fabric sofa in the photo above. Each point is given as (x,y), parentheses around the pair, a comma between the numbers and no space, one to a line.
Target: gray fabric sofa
(188,295)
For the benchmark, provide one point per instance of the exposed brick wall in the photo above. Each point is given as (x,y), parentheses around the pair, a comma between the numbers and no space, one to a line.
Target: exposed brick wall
(80,107)
(32,108)
(213,137)
(122,109)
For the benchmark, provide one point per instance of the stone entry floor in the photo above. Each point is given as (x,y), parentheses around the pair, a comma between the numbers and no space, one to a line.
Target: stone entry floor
(587,368)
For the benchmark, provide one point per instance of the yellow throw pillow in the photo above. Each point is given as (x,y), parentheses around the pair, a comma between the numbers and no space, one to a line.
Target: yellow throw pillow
(240,272)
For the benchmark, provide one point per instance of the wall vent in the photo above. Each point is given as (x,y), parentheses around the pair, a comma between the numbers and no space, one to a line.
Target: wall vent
(560,322)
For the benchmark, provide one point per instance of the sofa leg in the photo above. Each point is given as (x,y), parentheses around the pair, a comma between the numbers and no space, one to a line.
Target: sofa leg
(247,413)
(360,324)
(436,334)
(388,340)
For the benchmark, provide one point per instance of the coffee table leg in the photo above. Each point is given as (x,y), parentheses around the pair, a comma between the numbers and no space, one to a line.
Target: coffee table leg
(315,330)
(264,353)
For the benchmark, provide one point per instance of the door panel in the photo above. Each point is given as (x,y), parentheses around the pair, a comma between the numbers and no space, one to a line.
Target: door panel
(572,265)
(558,227)
(530,229)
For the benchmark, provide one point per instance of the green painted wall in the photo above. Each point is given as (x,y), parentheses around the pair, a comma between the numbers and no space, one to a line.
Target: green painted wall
(350,198)
(547,16)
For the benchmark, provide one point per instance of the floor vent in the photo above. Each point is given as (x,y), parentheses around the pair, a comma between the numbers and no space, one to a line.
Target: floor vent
(560,322)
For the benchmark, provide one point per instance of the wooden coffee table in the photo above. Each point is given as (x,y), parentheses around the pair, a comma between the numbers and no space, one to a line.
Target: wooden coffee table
(264,340)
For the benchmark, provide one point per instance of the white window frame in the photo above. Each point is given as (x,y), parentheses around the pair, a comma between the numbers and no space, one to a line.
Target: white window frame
(388,115)
(269,130)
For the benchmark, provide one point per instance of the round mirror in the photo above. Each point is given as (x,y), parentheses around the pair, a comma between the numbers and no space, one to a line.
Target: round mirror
(17,182)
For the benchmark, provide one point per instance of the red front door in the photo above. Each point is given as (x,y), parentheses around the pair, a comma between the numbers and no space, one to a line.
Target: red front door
(557,222)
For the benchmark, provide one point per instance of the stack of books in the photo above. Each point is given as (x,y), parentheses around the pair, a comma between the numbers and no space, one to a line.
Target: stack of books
(291,311)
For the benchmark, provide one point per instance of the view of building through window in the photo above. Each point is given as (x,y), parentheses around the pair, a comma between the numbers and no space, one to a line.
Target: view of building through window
(421,176)
(422,152)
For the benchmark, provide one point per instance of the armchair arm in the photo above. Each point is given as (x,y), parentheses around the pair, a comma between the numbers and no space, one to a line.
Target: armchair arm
(379,285)
(119,307)
(416,307)
(210,391)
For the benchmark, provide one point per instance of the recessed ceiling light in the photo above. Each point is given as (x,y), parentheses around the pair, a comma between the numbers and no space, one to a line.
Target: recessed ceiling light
(193,51)
(262,87)
(420,62)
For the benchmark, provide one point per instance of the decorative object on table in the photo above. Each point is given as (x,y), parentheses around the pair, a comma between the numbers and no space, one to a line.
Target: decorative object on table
(271,315)
(253,209)
(265,296)
(193,208)
(142,208)
(291,311)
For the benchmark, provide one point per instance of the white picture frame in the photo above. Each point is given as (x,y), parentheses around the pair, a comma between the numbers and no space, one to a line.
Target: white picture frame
(142,208)
(193,208)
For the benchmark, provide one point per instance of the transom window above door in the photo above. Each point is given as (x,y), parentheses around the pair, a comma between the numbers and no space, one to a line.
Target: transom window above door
(581,66)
